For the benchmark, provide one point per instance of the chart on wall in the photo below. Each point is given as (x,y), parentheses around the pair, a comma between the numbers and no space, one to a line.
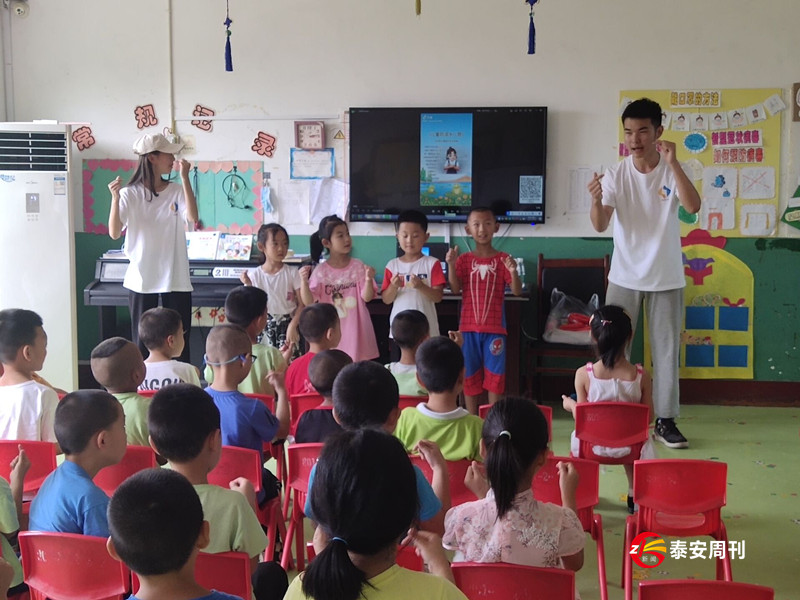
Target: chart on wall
(228,193)
(728,142)
(717,335)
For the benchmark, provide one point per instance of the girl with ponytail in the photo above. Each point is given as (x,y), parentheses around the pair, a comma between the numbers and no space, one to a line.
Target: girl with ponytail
(613,378)
(365,500)
(508,524)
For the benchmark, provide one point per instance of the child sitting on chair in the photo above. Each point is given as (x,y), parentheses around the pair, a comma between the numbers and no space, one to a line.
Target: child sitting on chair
(185,429)
(90,428)
(319,325)
(409,329)
(117,365)
(247,307)
(29,406)
(157,530)
(359,530)
(508,524)
(440,368)
(316,425)
(246,422)
(161,332)
(613,378)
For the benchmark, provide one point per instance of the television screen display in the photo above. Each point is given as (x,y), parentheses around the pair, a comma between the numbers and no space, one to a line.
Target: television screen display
(444,161)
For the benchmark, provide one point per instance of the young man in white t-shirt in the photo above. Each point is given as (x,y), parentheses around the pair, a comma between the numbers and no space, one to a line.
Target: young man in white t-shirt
(641,194)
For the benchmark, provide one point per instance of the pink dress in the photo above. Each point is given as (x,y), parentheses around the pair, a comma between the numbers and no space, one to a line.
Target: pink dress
(342,288)
(618,390)
(532,533)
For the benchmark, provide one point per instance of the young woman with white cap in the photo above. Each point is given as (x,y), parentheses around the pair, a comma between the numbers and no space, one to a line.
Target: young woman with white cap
(153,212)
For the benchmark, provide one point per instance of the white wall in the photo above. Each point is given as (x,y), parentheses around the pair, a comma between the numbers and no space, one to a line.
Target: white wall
(94,60)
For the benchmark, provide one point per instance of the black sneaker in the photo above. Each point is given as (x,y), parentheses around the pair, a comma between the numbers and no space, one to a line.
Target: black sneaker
(668,434)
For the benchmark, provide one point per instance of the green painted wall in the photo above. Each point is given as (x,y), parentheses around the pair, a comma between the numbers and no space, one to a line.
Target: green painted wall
(775,264)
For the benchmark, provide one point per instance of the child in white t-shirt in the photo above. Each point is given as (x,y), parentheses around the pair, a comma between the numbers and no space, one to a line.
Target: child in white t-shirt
(27,408)
(282,284)
(409,330)
(161,332)
(414,280)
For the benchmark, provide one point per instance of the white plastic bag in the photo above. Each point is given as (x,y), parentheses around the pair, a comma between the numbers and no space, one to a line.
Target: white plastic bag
(568,320)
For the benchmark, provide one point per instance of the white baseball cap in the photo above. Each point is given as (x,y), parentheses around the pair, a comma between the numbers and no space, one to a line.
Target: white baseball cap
(155,143)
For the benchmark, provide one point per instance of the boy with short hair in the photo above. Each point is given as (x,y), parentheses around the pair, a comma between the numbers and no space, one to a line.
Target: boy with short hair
(157,529)
(319,325)
(315,425)
(365,396)
(161,332)
(184,428)
(246,307)
(246,422)
(414,280)
(641,194)
(90,427)
(481,276)
(440,368)
(27,408)
(117,365)
(409,330)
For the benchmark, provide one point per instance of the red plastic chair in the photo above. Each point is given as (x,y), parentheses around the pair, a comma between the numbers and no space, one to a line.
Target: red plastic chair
(227,572)
(411,401)
(546,489)
(69,566)
(693,589)
(408,558)
(457,470)
(244,462)
(677,498)
(301,459)
(547,411)
(137,458)
(614,425)
(43,462)
(300,403)
(502,581)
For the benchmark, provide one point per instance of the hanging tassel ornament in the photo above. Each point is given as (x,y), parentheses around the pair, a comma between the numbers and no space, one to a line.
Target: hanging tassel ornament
(418,7)
(227,22)
(531,30)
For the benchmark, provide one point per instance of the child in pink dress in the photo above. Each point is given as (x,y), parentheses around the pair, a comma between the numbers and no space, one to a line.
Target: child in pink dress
(508,524)
(345,282)
(612,378)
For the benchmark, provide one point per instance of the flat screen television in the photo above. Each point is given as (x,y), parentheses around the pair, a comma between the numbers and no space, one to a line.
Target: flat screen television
(444,161)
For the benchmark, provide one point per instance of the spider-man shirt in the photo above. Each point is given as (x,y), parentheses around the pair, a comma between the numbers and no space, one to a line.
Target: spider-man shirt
(483,285)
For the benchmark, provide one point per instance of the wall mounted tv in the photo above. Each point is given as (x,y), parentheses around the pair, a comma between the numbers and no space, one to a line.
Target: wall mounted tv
(443,161)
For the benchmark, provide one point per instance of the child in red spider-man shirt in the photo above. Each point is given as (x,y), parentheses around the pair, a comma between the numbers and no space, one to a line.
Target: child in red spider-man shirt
(481,276)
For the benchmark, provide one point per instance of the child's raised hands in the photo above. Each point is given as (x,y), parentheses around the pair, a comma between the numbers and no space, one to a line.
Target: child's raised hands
(428,545)
(245,487)
(510,264)
(276,380)
(245,279)
(476,481)
(370,272)
(457,337)
(567,482)
(452,255)
(20,464)
(431,453)
(305,273)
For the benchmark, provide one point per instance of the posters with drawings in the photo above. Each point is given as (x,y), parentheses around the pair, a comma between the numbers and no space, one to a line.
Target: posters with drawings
(757,183)
(719,182)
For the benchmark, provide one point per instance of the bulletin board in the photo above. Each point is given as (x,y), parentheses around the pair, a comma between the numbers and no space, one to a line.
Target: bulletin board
(729,144)
(228,193)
